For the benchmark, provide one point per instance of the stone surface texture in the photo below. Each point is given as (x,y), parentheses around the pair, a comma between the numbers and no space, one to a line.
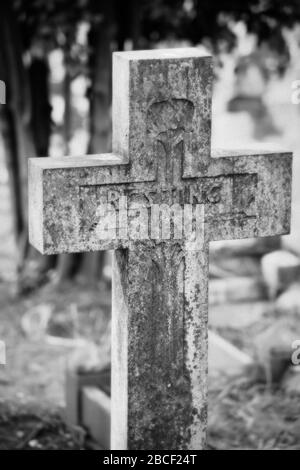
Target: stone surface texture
(161,154)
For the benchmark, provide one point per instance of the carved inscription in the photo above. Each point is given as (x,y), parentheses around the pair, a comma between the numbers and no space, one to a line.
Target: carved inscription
(224,198)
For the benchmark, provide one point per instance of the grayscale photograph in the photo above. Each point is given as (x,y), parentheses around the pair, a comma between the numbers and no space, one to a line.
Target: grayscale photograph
(149,228)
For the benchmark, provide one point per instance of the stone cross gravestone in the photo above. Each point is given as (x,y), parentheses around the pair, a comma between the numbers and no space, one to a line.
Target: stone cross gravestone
(161,159)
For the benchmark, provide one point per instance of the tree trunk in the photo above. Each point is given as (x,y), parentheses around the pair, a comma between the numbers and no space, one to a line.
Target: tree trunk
(40,105)
(100,39)
(41,124)
(122,21)
(15,116)
(129,23)
(135,23)
(66,262)
(67,127)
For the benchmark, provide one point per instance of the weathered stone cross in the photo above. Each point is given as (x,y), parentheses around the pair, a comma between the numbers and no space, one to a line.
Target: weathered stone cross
(161,155)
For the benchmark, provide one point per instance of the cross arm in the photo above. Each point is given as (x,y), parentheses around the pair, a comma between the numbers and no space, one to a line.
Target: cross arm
(259,202)
(57,189)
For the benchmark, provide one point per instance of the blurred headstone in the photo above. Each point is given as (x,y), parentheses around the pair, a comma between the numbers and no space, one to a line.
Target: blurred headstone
(224,358)
(250,88)
(250,247)
(236,289)
(288,303)
(237,315)
(75,381)
(280,269)
(274,348)
(96,415)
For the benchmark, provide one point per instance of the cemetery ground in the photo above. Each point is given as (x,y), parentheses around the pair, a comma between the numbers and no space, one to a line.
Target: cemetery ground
(32,383)
(243,411)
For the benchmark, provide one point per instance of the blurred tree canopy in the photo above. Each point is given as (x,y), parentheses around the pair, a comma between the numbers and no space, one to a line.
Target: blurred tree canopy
(30,29)
(159,19)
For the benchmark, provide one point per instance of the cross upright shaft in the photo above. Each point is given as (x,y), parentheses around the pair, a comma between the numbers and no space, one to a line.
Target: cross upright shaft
(161,155)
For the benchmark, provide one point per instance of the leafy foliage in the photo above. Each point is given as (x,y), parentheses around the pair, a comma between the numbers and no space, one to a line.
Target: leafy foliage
(160,19)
